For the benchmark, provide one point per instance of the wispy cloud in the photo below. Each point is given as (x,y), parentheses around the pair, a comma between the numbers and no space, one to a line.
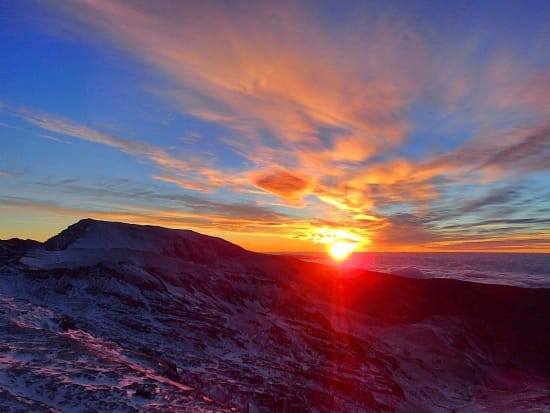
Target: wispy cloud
(141,196)
(499,196)
(530,154)
(190,174)
(55,139)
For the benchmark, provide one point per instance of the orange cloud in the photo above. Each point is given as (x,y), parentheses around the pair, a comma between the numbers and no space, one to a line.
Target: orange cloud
(282,183)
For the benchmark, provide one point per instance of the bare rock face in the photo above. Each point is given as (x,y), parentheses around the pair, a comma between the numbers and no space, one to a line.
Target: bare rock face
(119,317)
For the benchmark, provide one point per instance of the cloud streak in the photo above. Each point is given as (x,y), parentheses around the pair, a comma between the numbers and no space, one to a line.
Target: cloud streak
(189,174)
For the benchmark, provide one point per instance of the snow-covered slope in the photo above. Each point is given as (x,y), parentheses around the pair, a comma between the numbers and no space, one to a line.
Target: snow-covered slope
(119,317)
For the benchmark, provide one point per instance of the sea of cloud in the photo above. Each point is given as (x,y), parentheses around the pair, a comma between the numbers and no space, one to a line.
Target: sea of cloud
(519,269)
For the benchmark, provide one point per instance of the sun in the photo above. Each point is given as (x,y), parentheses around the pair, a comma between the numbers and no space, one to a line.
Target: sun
(340,250)
(340,243)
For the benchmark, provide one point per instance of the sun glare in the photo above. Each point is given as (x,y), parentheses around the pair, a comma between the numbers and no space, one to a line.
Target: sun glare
(340,250)
(340,243)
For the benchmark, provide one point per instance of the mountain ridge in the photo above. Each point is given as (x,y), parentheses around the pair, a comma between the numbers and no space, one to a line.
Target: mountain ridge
(128,235)
(209,326)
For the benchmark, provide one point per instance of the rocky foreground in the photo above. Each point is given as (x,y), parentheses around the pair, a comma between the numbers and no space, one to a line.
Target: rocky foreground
(118,317)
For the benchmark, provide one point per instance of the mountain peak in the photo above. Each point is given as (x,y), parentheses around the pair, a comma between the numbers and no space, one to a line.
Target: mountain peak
(69,235)
(96,234)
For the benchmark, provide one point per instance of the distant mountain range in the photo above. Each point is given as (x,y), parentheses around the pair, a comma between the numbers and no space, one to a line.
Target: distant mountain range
(117,317)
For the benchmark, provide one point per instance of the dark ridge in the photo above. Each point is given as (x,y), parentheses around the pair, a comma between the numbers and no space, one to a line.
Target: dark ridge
(13,249)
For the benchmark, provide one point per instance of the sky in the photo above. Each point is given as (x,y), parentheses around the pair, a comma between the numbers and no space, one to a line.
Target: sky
(280,126)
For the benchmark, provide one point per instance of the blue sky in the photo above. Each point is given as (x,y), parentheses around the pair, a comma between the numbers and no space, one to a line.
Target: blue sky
(281,126)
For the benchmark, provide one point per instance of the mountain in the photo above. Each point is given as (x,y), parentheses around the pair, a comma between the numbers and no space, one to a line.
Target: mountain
(117,317)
